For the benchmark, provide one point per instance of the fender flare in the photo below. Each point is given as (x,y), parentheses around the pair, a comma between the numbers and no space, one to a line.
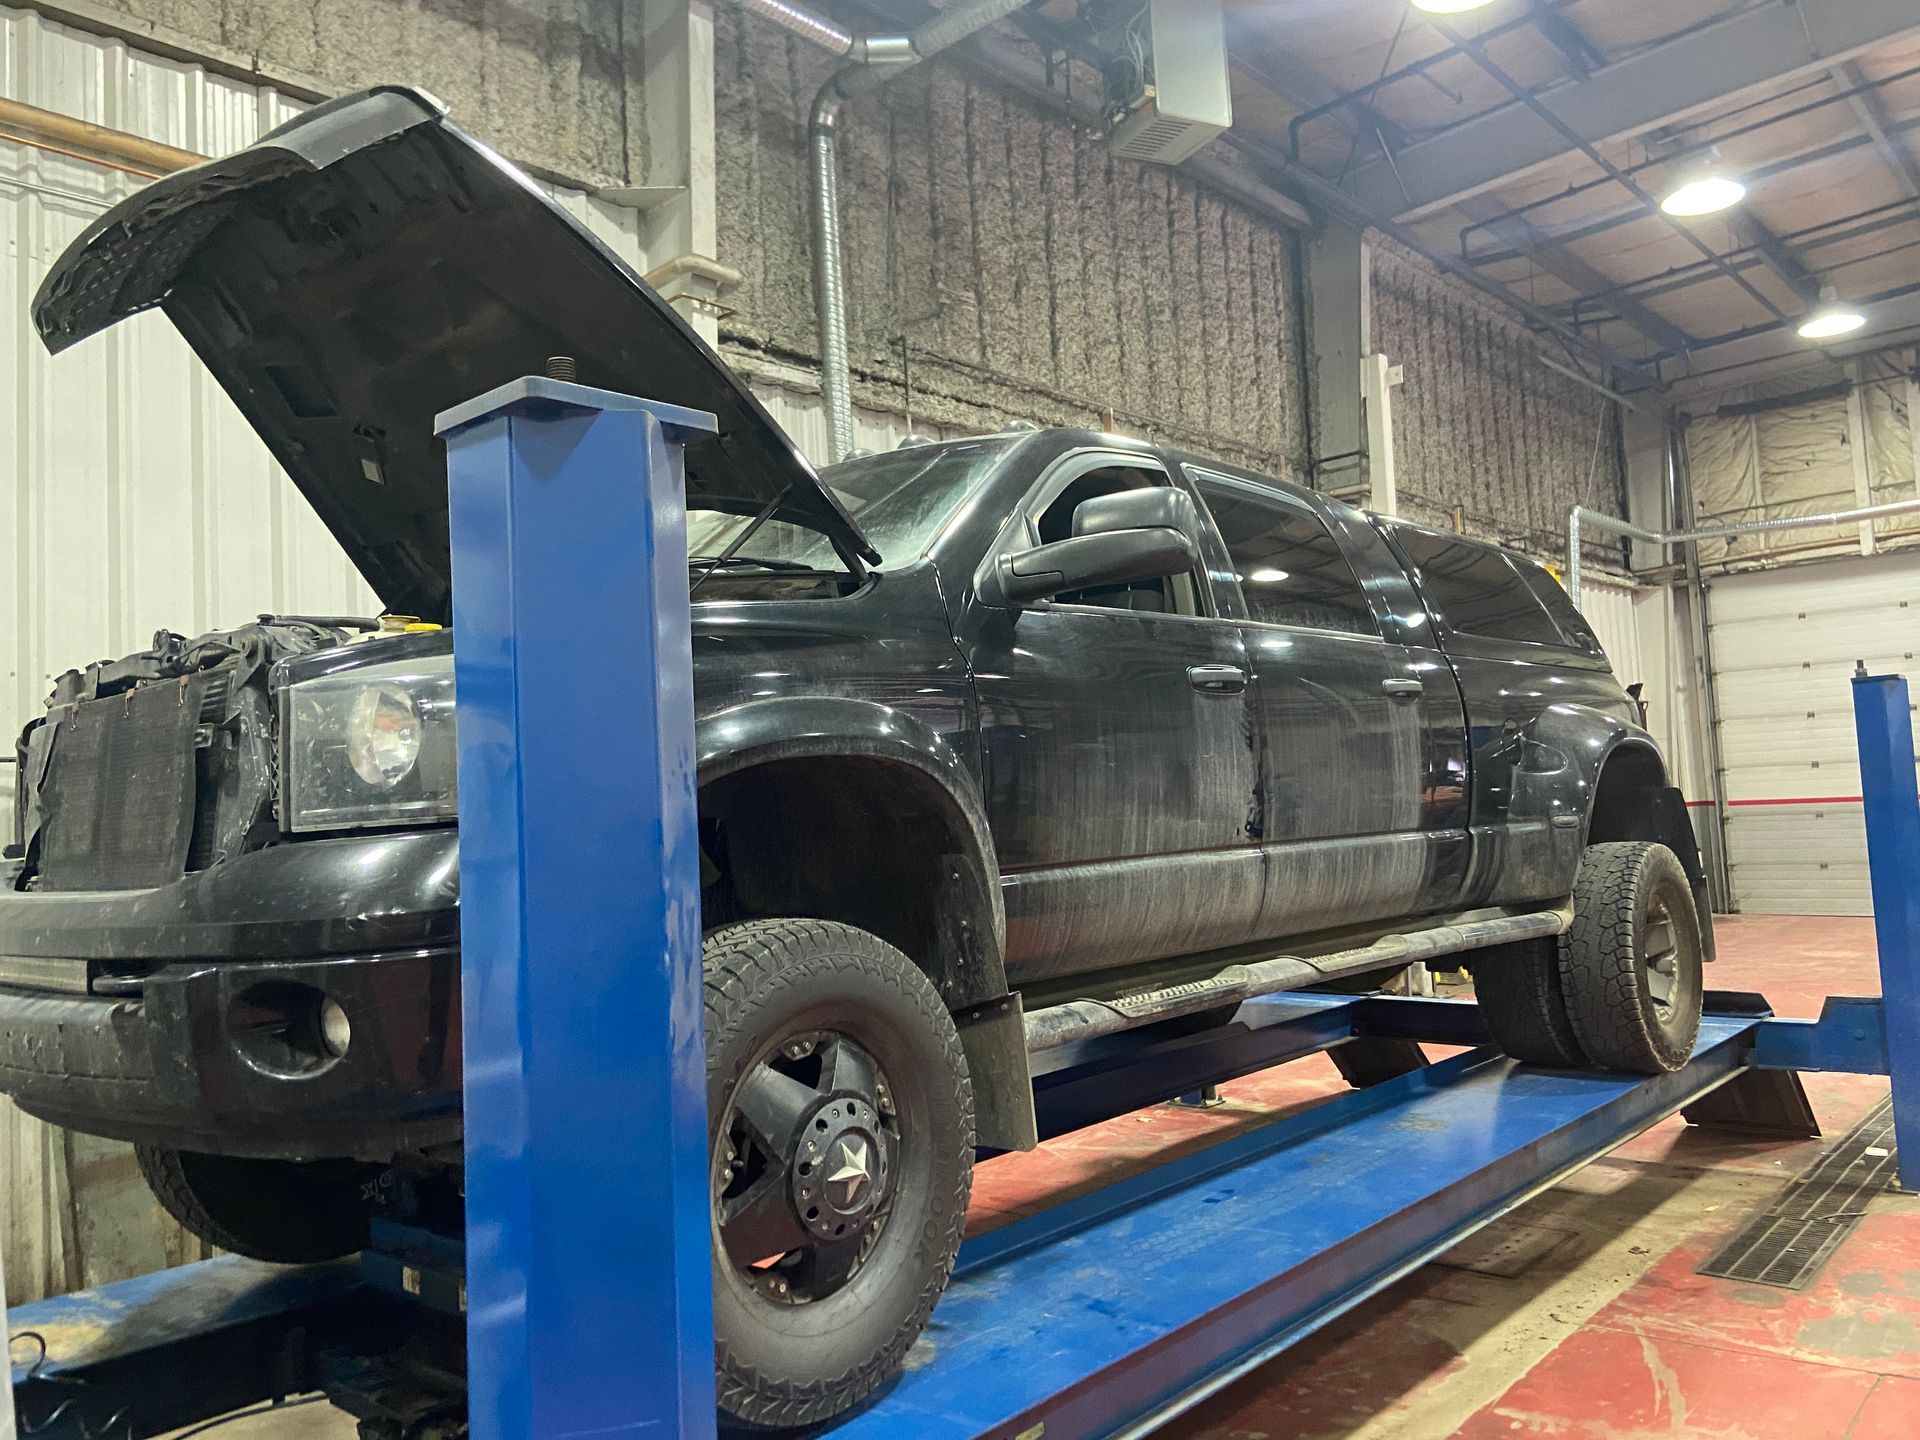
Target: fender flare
(759,732)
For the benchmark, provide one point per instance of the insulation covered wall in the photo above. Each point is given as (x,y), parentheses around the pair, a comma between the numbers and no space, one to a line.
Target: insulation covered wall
(1478,422)
(557,84)
(1033,274)
(1799,458)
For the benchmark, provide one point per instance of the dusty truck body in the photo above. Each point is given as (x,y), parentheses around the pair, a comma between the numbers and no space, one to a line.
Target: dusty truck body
(1001,742)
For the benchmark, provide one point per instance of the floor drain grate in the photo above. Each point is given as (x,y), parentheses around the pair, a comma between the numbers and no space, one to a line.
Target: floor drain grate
(1787,1243)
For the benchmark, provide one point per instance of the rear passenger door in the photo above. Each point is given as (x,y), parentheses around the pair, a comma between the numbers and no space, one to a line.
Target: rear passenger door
(1515,664)
(1356,821)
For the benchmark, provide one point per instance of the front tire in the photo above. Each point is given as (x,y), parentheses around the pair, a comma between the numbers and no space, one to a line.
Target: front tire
(289,1212)
(1631,964)
(841,1128)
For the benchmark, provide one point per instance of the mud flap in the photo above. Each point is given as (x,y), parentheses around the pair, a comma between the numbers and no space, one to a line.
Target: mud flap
(994,1037)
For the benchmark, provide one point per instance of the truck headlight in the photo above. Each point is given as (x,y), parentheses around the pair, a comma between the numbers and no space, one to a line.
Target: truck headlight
(369,747)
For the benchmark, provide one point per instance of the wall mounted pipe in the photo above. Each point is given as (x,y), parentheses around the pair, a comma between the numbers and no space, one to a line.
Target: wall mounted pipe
(804,23)
(1581,518)
(872,62)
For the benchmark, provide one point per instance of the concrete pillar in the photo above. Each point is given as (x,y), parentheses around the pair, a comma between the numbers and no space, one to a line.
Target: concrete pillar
(1650,501)
(674,152)
(1339,304)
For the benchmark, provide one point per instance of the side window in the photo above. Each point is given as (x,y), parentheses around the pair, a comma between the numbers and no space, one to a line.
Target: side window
(1175,595)
(1291,569)
(1560,606)
(1476,589)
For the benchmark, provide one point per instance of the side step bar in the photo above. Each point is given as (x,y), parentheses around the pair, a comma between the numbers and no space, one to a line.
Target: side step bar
(1079,1020)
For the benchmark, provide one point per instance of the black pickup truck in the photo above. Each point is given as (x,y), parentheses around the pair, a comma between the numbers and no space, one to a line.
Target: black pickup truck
(1002,742)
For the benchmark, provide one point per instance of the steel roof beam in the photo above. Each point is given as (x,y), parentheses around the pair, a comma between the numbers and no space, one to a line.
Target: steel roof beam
(1872,114)
(1558,31)
(1586,281)
(1775,254)
(1766,44)
(1776,349)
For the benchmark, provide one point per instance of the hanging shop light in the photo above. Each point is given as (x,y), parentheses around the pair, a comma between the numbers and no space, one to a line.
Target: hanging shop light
(1831,319)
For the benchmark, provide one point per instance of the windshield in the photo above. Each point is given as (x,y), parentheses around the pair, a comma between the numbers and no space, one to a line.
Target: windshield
(899,499)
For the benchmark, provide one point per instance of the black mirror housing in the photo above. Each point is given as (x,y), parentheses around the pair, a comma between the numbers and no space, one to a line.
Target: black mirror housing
(1111,557)
(1153,507)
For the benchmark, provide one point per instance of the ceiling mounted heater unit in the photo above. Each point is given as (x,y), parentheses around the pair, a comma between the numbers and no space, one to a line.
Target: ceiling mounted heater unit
(1165,68)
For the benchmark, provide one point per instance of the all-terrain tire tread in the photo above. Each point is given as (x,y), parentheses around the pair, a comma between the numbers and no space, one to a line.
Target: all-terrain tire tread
(1599,963)
(758,959)
(1518,989)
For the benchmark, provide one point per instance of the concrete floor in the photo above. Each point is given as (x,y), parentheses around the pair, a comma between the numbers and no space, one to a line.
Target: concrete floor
(1608,1334)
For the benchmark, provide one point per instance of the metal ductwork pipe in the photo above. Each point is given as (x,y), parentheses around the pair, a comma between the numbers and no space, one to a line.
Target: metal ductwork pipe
(804,23)
(873,61)
(1581,516)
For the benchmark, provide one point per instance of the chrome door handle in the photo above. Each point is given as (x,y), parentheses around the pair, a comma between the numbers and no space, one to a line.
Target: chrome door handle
(1403,689)
(1217,679)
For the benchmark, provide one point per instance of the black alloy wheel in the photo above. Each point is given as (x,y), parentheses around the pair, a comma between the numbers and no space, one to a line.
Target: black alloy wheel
(841,1124)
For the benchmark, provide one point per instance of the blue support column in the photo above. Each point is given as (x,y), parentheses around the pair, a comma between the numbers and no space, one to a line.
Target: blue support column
(588,1234)
(1883,725)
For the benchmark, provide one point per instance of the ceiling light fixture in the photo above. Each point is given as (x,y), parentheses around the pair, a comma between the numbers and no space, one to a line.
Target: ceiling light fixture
(1832,319)
(1704,195)
(1449,7)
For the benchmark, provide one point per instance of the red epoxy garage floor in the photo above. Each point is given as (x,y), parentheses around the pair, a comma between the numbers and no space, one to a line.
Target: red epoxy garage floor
(1608,1334)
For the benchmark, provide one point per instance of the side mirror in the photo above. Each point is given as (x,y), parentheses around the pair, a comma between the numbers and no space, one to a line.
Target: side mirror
(1154,507)
(1110,557)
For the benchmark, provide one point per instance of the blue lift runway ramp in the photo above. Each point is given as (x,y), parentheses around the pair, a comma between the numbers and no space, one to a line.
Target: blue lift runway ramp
(1105,1316)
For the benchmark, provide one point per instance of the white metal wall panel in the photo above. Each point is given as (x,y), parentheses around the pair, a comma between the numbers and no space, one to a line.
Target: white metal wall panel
(1784,646)
(803,415)
(1609,609)
(132,496)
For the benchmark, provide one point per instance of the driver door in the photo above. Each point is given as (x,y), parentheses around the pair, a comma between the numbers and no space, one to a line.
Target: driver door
(1119,753)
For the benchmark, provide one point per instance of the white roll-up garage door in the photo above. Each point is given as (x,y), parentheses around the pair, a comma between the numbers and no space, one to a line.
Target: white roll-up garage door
(1784,647)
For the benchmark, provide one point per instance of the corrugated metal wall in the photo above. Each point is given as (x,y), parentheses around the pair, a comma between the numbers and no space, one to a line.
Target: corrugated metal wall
(803,415)
(1610,609)
(132,497)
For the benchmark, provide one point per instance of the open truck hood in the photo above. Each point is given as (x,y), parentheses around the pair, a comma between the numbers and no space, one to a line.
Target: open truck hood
(368,265)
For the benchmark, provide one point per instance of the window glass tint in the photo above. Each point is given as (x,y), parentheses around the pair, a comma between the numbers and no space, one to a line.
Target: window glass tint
(899,499)
(1560,606)
(1291,570)
(1476,591)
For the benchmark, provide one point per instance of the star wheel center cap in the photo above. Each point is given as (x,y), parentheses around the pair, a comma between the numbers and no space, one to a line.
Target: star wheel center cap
(850,1173)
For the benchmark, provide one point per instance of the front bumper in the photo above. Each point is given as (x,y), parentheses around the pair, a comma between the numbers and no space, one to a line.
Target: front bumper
(371,921)
(165,1067)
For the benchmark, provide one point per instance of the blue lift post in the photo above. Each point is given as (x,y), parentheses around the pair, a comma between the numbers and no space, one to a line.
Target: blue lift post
(1093,1320)
(1883,730)
(589,1281)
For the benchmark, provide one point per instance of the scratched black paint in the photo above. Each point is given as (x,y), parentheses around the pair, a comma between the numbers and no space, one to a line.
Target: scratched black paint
(1113,811)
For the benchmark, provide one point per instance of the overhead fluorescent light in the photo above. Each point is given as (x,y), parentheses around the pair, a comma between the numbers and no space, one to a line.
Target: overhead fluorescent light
(1449,7)
(1267,577)
(1704,195)
(1832,319)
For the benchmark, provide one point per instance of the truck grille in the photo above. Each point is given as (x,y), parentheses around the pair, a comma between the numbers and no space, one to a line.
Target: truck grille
(118,797)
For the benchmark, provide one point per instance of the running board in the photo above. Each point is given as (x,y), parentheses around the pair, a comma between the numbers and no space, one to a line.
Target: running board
(1079,1020)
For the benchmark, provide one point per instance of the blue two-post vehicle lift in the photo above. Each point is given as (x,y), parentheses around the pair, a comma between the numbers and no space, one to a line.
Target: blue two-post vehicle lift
(585,1280)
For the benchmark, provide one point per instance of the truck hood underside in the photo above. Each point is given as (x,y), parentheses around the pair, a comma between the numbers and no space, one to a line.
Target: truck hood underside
(369,265)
